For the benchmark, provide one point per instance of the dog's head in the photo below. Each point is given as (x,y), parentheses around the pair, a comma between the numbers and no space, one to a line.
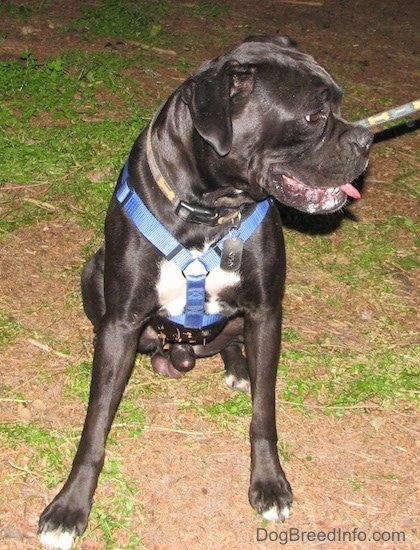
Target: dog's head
(272,115)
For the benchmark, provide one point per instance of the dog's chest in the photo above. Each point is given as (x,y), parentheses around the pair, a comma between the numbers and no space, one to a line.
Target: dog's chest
(172,288)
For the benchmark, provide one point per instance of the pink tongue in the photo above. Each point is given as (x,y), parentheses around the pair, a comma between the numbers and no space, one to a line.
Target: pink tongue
(351,191)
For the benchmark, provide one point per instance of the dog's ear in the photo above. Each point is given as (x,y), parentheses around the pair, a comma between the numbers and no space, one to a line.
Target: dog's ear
(209,95)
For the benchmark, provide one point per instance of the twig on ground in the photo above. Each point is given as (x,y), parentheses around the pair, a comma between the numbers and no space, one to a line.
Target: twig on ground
(340,407)
(47,349)
(174,430)
(360,455)
(302,2)
(40,204)
(360,505)
(155,49)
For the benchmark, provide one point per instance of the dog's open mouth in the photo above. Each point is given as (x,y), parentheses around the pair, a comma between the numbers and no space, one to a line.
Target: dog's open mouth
(314,200)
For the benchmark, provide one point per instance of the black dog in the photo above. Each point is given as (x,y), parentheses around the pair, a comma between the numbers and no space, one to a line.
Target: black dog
(194,260)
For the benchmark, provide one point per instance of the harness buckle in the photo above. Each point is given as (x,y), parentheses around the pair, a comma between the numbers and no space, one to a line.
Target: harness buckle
(196,214)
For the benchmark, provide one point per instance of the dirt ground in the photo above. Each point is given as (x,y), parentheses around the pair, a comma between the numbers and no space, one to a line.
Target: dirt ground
(190,474)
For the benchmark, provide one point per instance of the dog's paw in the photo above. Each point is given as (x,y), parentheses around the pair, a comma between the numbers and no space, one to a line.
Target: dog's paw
(60,525)
(273,501)
(240,384)
(277,515)
(62,540)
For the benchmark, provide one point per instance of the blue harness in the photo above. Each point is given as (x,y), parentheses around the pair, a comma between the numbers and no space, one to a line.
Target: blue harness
(195,269)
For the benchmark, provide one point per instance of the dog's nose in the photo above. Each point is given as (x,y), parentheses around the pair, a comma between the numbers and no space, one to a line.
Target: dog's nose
(361,137)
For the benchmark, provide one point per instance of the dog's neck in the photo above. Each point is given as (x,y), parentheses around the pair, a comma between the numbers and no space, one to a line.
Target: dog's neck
(214,207)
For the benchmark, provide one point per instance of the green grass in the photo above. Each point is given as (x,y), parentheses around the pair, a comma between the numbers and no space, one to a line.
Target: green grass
(10,329)
(19,11)
(55,144)
(112,519)
(368,264)
(208,9)
(336,380)
(48,452)
(123,19)
(238,405)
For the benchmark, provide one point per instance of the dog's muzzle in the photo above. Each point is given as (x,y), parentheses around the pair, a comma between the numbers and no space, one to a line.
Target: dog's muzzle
(314,200)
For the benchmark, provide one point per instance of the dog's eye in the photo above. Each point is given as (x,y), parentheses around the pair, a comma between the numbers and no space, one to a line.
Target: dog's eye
(314,117)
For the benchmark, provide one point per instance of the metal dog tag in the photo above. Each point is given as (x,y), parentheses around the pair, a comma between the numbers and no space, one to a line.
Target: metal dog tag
(232,254)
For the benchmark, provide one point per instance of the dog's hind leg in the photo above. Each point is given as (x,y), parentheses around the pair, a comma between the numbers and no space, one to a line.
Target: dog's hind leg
(92,281)
(237,375)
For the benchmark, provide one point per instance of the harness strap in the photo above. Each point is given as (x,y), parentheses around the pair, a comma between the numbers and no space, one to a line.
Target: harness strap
(151,228)
(196,296)
(194,269)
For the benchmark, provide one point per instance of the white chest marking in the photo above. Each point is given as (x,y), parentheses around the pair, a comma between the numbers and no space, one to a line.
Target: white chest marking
(172,287)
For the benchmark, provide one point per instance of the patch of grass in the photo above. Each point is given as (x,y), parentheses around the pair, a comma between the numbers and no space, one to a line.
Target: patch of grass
(208,9)
(30,88)
(357,485)
(79,377)
(48,451)
(378,248)
(123,18)
(238,405)
(365,252)
(290,335)
(110,524)
(407,179)
(83,83)
(17,10)
(357,100)
(55,144)
(284,451)
(114,518)
(297,377)
(336,379)
(391,378)
(368,261)
(131,417)
(10,329)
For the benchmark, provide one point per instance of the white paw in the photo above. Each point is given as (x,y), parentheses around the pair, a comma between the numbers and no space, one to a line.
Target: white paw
(63,540)
(235,384)
(275,515)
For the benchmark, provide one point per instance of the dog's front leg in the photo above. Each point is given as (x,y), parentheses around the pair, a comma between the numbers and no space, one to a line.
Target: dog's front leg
(269,493)
(67,515)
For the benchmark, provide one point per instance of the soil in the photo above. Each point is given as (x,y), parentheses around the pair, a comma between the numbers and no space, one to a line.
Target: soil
(356,473)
